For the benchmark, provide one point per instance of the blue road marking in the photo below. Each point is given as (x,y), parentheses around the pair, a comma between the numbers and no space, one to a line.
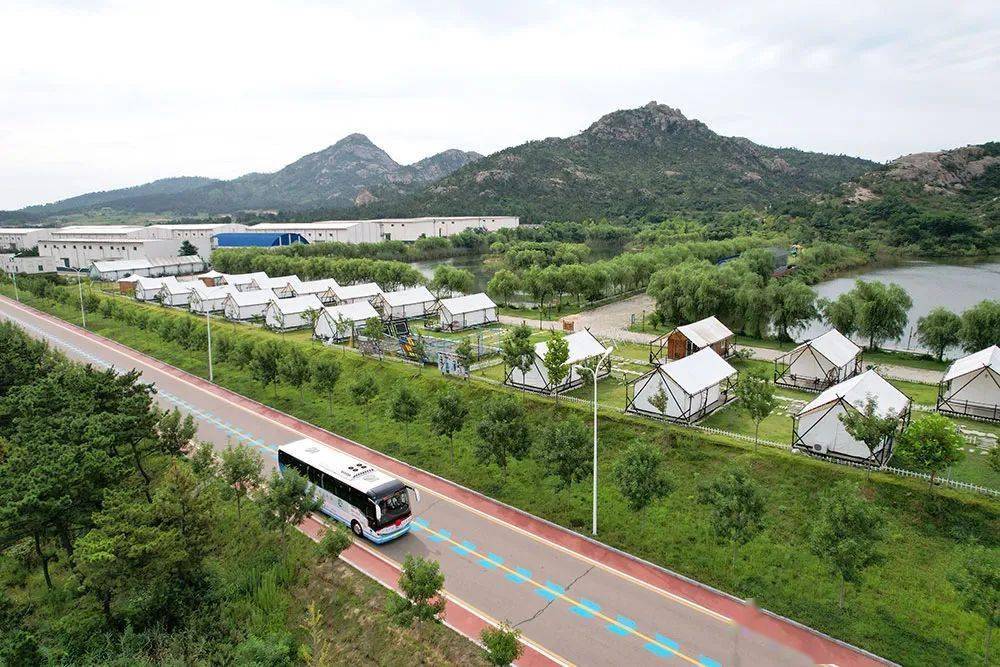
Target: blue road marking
(659,649)
(586,608)
(440,536)
(708,662)
(550,591)
(519,575)
(464,548)
(618,628)
(491,561)
(419,523)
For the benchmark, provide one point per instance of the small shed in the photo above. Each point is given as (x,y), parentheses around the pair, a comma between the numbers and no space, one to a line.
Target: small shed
(971,386)
(212,278)
(355,293)
(245,282)
(690,338)
(126,286)
(406,304)
(819,363)
(293,313)
(148,289)
(817,428)
(324,289)
(463,312)
(205,299)
(176,293)
(694,387)
(582,346)
(245,306)
(343,321)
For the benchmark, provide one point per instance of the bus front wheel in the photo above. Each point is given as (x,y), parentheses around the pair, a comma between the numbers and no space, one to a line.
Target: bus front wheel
(356,527)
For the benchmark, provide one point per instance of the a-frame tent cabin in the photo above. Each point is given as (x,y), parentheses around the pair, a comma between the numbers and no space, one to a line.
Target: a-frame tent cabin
(208,299)
(282,286)
(819,363)
(463,312)
(971,386)
(689,338)
(582,346)
(694,387)
(294,313)
(176,293)
(343,321)
(323,289)
(245,282)
(355,293)
(817,428)
(245,306)
(407,304)
(211,278)
(148,289)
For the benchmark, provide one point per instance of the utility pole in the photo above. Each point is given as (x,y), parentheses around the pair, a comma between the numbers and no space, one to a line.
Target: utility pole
(79,284)
(593,373)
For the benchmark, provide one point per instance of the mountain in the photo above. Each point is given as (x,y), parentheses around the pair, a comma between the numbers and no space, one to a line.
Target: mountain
(629,163)
(340,175)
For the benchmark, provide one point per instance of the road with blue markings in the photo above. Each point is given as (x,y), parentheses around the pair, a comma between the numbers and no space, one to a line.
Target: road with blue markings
(579,610)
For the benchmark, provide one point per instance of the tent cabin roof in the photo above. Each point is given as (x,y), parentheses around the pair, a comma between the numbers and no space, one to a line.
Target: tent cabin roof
(367,290)
(315,286)
(359,310)
(409,297)
(856,391)
(582,345)
(276,281)
(177,287)
(469,303)
(834,346)
(298,304)
(254,298)
(243,278)
(145,282)
(129,279)
(211,274)
(698,371)
(988,358)
(705,332)
(215,292)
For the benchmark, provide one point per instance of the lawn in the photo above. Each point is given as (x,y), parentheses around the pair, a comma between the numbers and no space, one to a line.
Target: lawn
(903,608)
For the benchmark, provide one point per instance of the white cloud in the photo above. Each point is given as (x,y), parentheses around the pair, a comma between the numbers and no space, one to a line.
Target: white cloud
(101,95)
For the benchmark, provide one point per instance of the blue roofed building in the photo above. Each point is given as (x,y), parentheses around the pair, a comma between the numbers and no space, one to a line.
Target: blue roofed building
(256,239)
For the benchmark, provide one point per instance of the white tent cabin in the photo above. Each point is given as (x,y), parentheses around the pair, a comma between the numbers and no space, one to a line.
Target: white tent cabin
(282,286)
(695,386)
(407,304)
(245,306)
(343,321)
(245,282)
(148,289)
(211,278)
(971,386)
(324,289)
(819,363)
(293,313)
(817,428)
(463,312)
(205,299)
(689,338)
(355,293)
(582,346)
(175,293)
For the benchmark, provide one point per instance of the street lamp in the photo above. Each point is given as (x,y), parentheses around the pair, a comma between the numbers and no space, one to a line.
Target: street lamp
(79,284)
(208,322)
(593,373)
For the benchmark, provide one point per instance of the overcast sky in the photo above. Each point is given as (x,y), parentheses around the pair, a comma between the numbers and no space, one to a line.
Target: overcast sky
(99,95)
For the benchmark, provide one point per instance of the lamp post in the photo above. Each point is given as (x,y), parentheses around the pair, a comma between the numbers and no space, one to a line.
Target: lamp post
(79,284)
(208,322)
(593,373)
(13,276)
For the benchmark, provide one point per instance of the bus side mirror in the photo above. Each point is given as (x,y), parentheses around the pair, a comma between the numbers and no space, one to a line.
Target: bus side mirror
(416,494)
(378,511)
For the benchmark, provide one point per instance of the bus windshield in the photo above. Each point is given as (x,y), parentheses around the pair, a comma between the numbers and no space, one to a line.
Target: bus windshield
(395,505)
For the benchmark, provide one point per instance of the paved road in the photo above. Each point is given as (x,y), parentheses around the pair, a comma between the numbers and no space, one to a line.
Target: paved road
(577,601)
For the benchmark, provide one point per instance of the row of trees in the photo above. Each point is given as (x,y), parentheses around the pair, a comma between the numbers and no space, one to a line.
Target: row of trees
(976,329)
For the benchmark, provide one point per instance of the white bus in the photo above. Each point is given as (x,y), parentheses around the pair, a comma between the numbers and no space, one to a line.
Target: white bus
(372,503)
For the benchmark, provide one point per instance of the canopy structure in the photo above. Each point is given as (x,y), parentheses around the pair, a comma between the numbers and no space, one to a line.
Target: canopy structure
(583,346)
(343,321)
(148,289)
(818,428)
(819,363)
(683,391)
(245,306)
(354,293)
(206,299)
(175,293)
(689,338)
(463,312)
(406,304)
(971,386)
(295,313)
(324,289)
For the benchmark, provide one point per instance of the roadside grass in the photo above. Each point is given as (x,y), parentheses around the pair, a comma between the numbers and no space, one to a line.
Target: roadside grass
(904,609)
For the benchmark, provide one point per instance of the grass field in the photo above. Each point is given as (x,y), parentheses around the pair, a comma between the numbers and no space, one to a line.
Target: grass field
(904,608)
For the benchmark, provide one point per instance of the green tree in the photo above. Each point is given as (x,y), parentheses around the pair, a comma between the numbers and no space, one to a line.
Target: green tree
(993,459)
(639,475)
(939,330)
(464,352)
(405,407)
(187,248)
(976,578)
(372,331)
(364,389)
(421,582)
(241,470)
(930,444)
(174,432)
(755,393)
(737,505)
(448,417)
(325,375)
(881,311)
(847,534)
(289,499)
(334,541)
(264,364)
(516,348)
(503,431)
(870,426)
(294,368)
(562,450)
(184,504)
(503,285)
(203,461)
(502,644)
(792,304)
(661,401)
(981,326)
(556,355)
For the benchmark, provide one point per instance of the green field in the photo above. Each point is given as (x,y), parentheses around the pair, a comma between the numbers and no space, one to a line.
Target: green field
(904,609)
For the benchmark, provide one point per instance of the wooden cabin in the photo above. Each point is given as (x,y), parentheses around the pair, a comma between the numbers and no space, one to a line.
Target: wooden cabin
(690,338)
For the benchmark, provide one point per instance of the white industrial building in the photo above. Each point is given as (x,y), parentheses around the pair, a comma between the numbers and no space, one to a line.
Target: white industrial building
(245,306)
(115,269)
(11,263)
(356,293)
(77,246)
(694,387)
(205,299)
(293,313)
(819,363)
(389,229)
(148,289)
(20,238)
(406,304)
(582,347)
(463,312)
(324,289)
(198,234)
(176,293)
(817,427)
(343,321)
(971,386)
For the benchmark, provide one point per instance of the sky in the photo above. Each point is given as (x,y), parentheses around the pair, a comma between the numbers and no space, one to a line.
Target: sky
(101,95)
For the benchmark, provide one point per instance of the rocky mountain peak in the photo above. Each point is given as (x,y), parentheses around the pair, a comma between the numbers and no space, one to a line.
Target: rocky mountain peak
(646,122)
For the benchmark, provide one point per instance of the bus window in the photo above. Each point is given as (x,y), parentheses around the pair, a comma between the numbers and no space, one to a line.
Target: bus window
(316,477)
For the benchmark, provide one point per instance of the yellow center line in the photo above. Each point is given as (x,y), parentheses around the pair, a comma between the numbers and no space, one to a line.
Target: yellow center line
(562,596)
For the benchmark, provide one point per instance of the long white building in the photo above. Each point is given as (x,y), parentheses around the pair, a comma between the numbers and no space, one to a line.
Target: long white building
(388,229)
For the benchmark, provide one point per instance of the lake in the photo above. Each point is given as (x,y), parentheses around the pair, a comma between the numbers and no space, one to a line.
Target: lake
(955,286)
